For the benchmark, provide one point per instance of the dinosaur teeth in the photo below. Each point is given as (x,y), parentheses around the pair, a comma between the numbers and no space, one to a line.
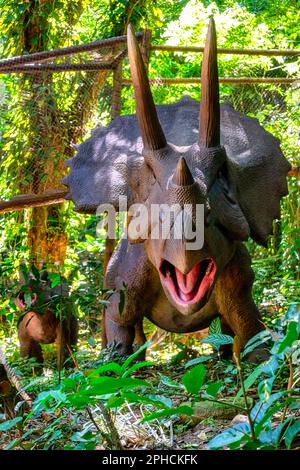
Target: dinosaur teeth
(168,273)
(210,268)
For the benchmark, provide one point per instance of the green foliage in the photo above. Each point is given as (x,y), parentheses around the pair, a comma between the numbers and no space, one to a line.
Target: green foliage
(217,340)
(261,431)
(79,409)
(193,380)
(103,392)
(10,423)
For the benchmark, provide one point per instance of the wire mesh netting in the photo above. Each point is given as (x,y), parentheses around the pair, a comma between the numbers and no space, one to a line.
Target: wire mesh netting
(45,107)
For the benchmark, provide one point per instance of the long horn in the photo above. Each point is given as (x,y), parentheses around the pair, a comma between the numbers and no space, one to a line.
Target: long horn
(209,118)
(152,133)
(182,175)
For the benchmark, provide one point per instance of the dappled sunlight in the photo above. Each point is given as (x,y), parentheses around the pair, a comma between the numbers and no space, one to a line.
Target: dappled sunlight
(142,343)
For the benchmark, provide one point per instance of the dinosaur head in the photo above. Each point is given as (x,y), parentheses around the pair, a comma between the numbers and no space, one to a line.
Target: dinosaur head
(184,180)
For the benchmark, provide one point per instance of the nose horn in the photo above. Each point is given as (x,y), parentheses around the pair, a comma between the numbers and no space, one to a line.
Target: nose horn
(182,175)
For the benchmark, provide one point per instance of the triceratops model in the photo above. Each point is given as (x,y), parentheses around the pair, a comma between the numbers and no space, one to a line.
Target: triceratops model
(174,154)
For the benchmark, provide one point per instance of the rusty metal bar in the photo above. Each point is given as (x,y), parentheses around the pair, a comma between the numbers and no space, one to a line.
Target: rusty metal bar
(221,50)
(64,51)
(83,66)
(24,201)
(241,80)
(87,66)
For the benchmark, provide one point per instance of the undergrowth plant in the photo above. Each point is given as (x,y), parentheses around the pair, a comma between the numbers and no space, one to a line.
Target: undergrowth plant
(94,397)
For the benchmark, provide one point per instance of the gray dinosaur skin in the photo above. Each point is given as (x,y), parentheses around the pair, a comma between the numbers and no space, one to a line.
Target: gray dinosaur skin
(240,183)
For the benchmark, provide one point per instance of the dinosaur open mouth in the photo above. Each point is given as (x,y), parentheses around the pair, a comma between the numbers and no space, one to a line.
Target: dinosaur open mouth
(188,288)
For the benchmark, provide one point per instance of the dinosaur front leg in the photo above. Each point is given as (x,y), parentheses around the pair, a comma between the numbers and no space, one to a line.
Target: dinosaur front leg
(119,327)
(140,339)
(243,317)
(235,302)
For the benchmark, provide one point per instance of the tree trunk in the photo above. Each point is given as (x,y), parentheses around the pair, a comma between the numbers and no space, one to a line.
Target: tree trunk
(51,129)
(50,134)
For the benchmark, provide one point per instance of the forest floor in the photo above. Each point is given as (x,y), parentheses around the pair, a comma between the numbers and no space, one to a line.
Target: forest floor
(181,432)
(169,359)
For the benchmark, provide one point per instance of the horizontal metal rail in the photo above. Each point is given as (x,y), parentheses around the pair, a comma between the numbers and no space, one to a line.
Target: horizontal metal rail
(25,201)
(237,80)
(223,50)
(86,66)
(64,51)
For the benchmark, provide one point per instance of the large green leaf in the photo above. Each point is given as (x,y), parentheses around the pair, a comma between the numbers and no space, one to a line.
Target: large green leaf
(213,388)
(292,432)
(217,340)
(257,340)
(250,380)
(137,366)
(180,410)
(55,279)
(262,413)
(110,367)
(290,337)
(10,423)
(193,379)
(235,434)
(106,385)
(215,327)
(134,355)
(265,388)
(272,436)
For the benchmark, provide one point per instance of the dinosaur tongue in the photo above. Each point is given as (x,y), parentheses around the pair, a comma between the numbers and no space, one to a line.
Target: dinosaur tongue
(187,282)
(191,287)
(196,282)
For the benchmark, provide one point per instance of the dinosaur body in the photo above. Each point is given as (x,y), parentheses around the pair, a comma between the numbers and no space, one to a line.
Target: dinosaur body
(175,156)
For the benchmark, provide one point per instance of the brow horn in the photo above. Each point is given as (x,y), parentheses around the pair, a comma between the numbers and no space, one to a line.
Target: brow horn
(209,118)
(151,131)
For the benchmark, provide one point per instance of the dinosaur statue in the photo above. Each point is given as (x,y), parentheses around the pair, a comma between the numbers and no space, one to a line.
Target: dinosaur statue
(176,154)
(40,320)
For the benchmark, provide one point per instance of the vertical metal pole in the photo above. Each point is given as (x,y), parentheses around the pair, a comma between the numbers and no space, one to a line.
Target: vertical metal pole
(117,91)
